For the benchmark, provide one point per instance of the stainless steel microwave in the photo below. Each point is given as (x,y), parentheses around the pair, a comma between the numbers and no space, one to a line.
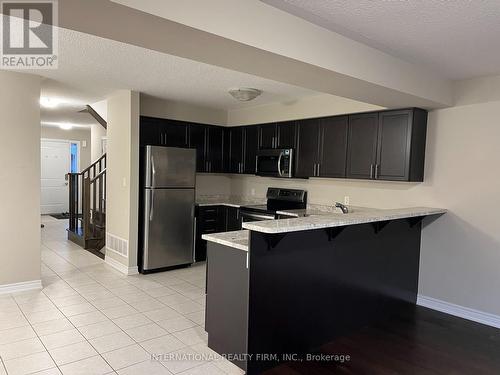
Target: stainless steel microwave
(275,163)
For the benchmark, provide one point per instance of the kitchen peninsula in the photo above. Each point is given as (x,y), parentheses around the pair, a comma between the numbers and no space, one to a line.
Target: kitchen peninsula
(289,286)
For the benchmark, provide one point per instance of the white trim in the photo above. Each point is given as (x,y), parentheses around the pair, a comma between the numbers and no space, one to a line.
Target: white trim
(460,311)
(121,267)
(20,287)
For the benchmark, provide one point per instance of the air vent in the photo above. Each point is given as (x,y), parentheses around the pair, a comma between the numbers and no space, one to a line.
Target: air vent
(117,244)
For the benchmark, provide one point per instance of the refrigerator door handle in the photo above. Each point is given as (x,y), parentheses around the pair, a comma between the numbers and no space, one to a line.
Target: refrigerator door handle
(152,205)
(153,172)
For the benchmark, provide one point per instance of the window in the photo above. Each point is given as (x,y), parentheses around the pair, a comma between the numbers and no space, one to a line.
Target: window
(74,158)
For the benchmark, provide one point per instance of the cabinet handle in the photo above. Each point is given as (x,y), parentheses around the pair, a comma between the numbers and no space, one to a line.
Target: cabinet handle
(371,170)
(319,166)
(314,169)
(377,170)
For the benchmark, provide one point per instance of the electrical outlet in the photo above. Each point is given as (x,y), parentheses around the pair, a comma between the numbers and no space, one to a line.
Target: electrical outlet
(252,192)
(346,200)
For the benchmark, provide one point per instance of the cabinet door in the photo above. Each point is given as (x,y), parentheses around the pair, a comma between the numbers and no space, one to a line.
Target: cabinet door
(236,150)
(250,151)
(362,145)
(149,133)
(286,137)
(215,149)
(197,140)
(232,219)
(333,146)
(307,148)
(174,133)
(394,143)
(267,136)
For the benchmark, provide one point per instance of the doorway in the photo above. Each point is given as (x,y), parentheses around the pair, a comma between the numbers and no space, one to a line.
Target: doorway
(58,157)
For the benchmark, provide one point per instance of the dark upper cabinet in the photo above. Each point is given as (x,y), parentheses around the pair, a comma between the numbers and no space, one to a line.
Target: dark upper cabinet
(280,135)
(362,145)
(333,147)
(401,145)
(286,135)
(149,133)
(215,149)
(173,133)
(308,148)
(235,150)
(250,149)
(267,136)
(388,145)
(197,140)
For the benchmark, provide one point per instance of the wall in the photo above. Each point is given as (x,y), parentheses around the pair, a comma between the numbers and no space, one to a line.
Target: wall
(19,178)
(154,107)
(98,132)
(460,250)
(75,134)
(122,178)
(315,106)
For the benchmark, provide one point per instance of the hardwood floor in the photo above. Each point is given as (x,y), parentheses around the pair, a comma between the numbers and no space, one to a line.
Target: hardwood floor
(421,341)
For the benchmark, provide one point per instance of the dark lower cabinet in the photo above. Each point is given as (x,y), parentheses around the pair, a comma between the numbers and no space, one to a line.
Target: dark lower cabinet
(213,219)
(232,219)
(362,146)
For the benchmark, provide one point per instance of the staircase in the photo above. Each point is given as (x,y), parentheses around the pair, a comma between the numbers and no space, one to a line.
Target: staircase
(87,206)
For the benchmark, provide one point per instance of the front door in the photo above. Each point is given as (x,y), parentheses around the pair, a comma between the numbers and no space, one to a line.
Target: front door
(55,164)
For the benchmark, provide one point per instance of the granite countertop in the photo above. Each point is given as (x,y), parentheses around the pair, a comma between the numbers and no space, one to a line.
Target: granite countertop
(237,239)
(228,200)
(320,219)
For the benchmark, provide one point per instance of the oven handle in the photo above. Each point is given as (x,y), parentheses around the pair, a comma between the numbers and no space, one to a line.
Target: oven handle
(279,164)
(256,216)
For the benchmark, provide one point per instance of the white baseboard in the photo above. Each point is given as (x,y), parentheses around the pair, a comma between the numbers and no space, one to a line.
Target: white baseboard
(21,287)
(460,311)
(121,267)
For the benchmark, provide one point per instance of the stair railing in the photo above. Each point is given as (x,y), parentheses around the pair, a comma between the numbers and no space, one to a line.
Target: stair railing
(87,200)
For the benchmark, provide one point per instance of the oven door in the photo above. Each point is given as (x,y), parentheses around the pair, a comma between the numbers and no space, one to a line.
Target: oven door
(246,216)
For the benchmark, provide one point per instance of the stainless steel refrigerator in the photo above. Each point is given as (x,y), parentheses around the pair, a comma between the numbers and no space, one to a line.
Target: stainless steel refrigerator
(169,200)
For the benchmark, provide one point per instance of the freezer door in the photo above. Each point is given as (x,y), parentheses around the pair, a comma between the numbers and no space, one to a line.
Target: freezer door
(168,228)
(169,167)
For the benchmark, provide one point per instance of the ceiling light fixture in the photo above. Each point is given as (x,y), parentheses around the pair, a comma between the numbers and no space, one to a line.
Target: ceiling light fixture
(49,102)
(66,126)
(245,94)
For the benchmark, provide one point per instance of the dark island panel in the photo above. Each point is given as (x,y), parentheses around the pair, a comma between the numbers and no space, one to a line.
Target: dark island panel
(226,314)
(307,288)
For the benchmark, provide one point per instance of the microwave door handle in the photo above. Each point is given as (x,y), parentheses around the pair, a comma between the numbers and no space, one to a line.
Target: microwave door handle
(279,164)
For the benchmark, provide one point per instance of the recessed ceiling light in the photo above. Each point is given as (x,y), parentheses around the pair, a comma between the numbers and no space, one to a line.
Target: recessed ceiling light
(245,94)
(49,102)
(66,126)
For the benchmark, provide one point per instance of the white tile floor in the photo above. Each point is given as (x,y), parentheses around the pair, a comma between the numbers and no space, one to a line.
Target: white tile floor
(90,319)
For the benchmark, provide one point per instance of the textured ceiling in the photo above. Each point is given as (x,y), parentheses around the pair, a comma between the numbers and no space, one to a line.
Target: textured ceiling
(90,68)
(457,39)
